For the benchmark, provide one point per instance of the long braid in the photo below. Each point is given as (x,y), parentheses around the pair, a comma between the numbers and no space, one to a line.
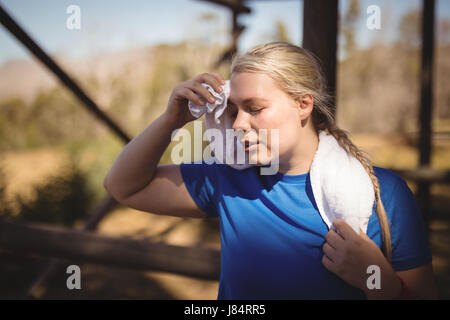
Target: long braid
(343,139)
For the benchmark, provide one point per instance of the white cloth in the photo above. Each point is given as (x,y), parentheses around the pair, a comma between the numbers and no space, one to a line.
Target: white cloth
(341,186)
(217,118)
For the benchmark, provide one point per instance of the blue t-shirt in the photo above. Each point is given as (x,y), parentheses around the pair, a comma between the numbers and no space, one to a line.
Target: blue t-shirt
(272,233)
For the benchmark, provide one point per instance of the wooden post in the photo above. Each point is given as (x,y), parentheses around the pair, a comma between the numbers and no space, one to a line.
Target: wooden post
(320,24)
(426,104)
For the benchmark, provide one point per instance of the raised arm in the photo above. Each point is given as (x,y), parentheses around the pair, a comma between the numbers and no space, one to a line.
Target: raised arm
(137,181)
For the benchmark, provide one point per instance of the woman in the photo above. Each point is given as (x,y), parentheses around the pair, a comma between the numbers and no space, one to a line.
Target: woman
(274,244)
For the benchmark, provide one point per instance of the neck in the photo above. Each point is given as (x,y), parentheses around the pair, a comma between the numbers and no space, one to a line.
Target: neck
(302,156)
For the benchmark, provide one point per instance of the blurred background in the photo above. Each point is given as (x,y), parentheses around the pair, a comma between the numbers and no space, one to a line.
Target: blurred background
(125,59)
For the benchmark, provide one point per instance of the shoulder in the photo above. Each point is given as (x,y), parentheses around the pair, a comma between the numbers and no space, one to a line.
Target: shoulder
(398,200)
(387,176)
(389,183)
(410,247)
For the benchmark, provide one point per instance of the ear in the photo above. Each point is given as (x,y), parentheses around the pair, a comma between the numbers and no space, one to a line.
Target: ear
(305,104)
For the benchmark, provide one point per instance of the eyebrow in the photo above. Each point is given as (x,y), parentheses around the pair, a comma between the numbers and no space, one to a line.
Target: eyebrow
(249,100)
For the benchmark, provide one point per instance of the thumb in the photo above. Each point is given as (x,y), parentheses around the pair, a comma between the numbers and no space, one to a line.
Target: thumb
(363,234)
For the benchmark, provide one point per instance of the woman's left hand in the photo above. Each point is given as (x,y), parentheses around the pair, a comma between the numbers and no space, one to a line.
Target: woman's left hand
(348,255)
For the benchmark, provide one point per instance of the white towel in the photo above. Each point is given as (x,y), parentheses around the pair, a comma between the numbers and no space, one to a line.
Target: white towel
(216,119)
(341,186)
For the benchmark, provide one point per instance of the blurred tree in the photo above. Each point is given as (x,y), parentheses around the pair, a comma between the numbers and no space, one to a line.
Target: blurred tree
(348,27)
(409,42)
(282,33)
(443,32)
(14,116)
(53,117)
(5,207)
(205,29)
(63,200)
(279,33)
(409,28)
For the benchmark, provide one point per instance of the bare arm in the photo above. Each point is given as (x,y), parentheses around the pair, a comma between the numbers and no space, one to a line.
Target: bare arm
(136,164)
(137,181)
(420,281)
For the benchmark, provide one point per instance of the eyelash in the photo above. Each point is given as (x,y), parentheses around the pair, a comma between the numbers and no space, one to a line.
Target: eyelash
(251,111)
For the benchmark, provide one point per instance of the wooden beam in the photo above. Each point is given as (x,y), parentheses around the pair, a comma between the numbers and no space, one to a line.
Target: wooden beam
(320,25)
(425,175)
(85,246)
(234,5)
(426,104)
(37,287)
(426,80)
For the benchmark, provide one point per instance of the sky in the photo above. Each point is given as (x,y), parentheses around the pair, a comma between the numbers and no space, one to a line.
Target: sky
(111,25)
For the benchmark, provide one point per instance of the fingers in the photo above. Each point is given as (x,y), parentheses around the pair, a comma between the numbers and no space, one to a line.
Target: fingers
(213,79)
(200,90)
(194,91)
(334,239)
(344,229)
(217,76)
(328,263)
(188,94)
(330,252)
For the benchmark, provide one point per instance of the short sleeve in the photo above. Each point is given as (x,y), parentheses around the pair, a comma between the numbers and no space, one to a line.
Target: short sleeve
(200,180)
(410,247)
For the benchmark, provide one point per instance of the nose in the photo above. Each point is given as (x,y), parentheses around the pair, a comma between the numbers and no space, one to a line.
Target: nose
(241,122)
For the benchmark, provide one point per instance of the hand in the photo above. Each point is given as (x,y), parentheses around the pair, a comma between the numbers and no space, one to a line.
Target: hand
(348,255)
(177,110)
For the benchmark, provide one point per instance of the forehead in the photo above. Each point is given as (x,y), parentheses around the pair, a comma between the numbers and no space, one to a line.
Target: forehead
(251,86)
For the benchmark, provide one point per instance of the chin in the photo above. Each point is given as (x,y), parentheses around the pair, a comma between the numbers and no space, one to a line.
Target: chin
(259,157)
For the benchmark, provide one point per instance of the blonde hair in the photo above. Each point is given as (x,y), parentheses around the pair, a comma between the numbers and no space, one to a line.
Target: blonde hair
(298,72)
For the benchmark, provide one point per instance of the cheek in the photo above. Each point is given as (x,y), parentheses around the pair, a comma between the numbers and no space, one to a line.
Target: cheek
(287,124)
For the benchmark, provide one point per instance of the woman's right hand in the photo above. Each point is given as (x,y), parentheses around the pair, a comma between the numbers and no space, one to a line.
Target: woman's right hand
(177,109)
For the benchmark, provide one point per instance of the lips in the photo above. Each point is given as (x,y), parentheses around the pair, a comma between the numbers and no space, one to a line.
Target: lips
(248,145)
(247,142)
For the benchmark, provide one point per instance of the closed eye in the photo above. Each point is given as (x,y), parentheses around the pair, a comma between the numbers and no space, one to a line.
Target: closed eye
(234,114)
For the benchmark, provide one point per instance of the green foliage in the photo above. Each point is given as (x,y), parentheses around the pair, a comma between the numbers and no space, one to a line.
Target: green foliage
(282,33)
(349,25)
(13,117)
(409,28)
(52,117)
(5,211)
(62,200)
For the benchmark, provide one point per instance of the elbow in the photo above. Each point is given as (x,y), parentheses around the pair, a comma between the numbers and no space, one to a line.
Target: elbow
(108,185)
